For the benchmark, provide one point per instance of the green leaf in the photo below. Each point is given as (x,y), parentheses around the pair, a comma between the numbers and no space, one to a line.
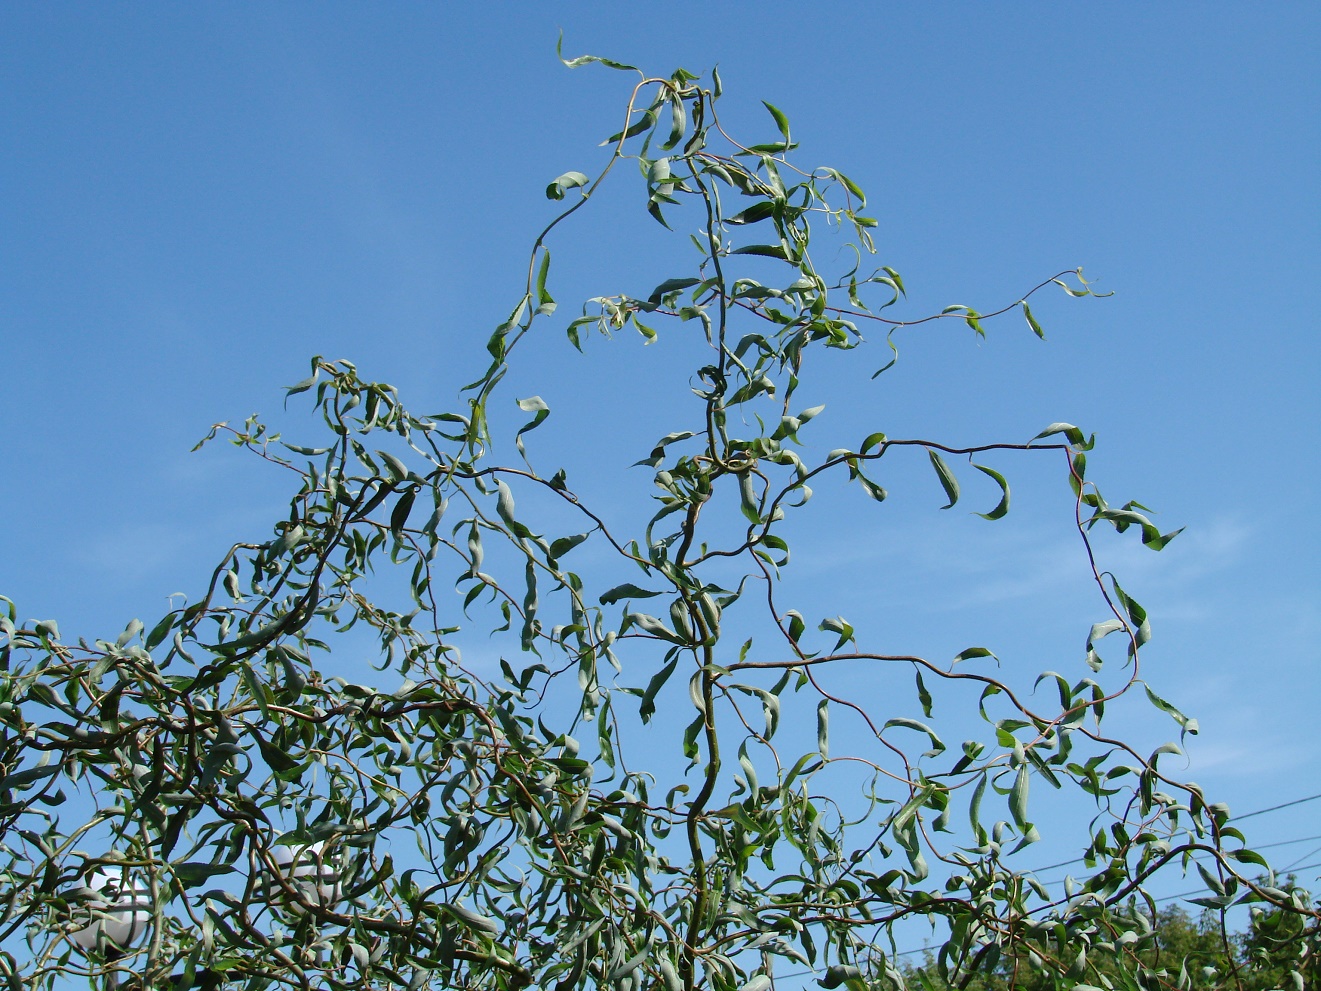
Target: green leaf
(543,297)
(765,250)
(399,515)
(574,63)
(1074,435)
(872,489)
(653,627)
(937,745)
(975,804)
(1186,724)
(947,480)
(678,123)
(1099,631)
(1003,507)
(562,545)
(1248,857)
(473,919)
(1123,518)
(823,727)
(839,973)
(562,184)
(539,410)
(648,706)
(504,506)
(275,757)
(753,214)
(781,121)
(160,631)
(769,148)
(1018,796)
(1137,615)
(796,624)
(302,386)
(894,348)
(872,441)
(647,122)
(923,696)
(132,630)
(625,591)
(837,624)
(190,875)
(671,286)
(748,498)
(852,187)
(658,452)
(1032,321)
(629,965)
(653,208)
(670,975)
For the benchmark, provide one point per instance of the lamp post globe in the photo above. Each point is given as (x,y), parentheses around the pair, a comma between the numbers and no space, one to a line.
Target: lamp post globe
(116,909)
(311,870)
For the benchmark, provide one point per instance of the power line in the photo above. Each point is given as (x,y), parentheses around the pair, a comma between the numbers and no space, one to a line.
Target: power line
(1167,898)
(1159,901)
(1301,839)
(1259,846)
(1294,865)
(1198,891)
(1296,801)
(1246,815)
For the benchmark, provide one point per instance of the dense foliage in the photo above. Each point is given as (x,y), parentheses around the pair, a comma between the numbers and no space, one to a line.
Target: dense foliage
(283,825)
(1186,952)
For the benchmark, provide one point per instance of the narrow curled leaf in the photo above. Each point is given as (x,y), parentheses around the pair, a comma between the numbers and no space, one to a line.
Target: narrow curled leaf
(563,183)
(648,707)
(1018,795)
(562,545)
(653,627)
(1186,723)
(625,591)
(947,480)
(765,250)
(937,746)
(1032,321)
(473,919)
(1074,435)
(1003,506)
(669,287)
(580,60)
(781,121)
(646,123)
(539,410)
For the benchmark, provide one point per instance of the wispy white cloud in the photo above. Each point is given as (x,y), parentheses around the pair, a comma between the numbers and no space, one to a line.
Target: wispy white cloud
(1232,756)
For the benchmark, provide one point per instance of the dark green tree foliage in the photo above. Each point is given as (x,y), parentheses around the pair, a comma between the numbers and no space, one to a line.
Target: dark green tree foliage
(1278,951)
(485,833)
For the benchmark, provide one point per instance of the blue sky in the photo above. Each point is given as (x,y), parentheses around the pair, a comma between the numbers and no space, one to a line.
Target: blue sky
(196,199)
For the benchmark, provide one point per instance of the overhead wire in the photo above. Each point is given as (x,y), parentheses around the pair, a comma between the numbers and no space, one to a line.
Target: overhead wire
(1166,898)
(1158,901)
(1294,866)
(1246,815)
(1273,808)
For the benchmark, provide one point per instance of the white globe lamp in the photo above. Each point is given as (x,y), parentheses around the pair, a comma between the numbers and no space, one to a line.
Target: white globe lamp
(311,871)
(115,908)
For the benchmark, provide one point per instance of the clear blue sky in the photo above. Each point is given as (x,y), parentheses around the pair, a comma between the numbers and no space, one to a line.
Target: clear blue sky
(195,199)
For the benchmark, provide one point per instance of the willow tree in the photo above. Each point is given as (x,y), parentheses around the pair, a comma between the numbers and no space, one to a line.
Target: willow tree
(197,801)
